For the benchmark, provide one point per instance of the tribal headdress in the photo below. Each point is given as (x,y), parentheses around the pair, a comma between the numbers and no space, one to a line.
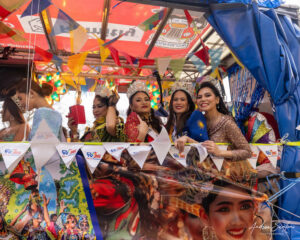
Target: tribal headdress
(137,86)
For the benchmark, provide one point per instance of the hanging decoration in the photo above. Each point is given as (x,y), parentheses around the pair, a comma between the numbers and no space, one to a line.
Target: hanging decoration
(58,84)
(154,92)
(35,6)
(153,21)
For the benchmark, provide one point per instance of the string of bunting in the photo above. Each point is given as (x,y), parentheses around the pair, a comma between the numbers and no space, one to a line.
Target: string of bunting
(45,146)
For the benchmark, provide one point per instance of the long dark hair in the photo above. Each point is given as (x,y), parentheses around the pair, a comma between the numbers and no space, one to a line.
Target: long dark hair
(221,108)
(154,122)
(43,91)
(10,106)
(184,117)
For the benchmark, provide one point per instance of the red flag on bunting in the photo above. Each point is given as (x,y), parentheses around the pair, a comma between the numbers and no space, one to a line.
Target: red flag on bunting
(42,55)
(115,55)
(203,53)
(188,17)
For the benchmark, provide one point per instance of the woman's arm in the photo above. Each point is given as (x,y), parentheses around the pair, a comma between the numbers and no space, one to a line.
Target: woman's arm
(111,120)
(180,142)
(19,136)
(240,147)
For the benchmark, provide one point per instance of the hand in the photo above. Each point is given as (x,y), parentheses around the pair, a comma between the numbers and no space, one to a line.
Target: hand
(62,206)
(72,125)
(45,200)
(143,127)
(113,100)
(180,142)
(212,148)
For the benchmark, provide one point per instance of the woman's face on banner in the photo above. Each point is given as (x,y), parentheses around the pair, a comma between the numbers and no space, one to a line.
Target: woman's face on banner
(231,215)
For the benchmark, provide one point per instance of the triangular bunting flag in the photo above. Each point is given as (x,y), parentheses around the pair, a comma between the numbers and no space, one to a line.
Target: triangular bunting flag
(115,55)
(161,145)
(218,161)
(237,60)
(162,64)
(254,156)
(177,65)
(12,153)
(63,24)
(93,156)
(68,151)
(104,51)
(43,144)
(8,6)
(271,151)
(78,39)
(75,62)
(152,22)
(139,154)
(114,39)
(201,150)
(203,54)
(115,149)
(215,57)
(180,157)
(200,65)
(35,6)
(129,58)
(7,32)
(42,55)
(188,17)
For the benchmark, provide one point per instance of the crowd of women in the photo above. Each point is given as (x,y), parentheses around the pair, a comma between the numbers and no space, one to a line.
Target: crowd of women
(153,203)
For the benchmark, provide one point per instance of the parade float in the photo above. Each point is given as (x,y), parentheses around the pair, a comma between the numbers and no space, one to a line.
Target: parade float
(152,190)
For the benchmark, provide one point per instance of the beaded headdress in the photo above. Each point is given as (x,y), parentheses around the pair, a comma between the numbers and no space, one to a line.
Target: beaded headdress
(18,103)
(137,86)
(103,91)
(185,86)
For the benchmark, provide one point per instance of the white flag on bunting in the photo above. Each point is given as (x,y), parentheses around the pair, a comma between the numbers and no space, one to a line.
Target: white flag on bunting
(43,145)
(254,156)
(218,161)
(201,150)
(271,151)
(180,157)
(93,155)
(115,149)
(12,153)
(162,64)
(161,145)
(139,154)
(67,151)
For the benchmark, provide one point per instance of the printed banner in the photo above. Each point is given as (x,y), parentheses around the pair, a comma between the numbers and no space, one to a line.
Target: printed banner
(93,156)
(201,150)
(67,151)
(46,204)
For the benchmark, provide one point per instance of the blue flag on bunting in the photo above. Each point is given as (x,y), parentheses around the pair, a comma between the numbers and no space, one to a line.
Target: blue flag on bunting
(199,64)
(215,57)
(35,6)
(63,24)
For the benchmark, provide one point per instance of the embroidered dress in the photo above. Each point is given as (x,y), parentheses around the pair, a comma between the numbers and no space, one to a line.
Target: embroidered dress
(237,168)
(132,132)
(98,132)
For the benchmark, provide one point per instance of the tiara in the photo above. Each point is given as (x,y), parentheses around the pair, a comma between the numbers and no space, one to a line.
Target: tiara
(103,91)
(18,103)
(185,86)
(137,86)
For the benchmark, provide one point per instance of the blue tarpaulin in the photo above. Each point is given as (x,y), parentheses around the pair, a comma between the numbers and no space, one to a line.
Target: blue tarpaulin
(268,45)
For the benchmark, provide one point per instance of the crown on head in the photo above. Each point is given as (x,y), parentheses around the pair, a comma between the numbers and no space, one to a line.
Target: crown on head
(103,91)
(18,103)
(185,86)
(137,86)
